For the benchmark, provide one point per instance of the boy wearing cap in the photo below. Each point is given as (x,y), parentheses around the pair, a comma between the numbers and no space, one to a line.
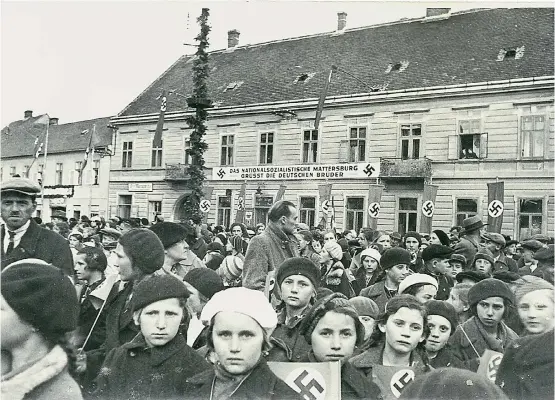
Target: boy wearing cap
(489,301)
(298,279)
(442,322)
(544,257)
(395,263)
(457,263)
(20,236)
(436,259)
(495,243)
(157,362)
(527,264)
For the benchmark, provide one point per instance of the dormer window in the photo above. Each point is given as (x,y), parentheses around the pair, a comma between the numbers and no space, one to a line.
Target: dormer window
(397,67)
(514,53)
(233,86)
(304,77)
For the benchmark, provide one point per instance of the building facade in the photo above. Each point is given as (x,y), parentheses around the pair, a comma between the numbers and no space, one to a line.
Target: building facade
(67,183)
(410,104)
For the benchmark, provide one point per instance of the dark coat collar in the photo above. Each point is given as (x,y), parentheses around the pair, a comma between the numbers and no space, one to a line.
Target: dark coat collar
(374,356)
(28,242)
(158,355)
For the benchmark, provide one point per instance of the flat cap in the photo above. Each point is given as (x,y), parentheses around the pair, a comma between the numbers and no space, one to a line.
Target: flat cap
(107,231)
(436,251)
(545,253)
(494,237)
(458,258)
(21,185)
(531,244)
(475,276)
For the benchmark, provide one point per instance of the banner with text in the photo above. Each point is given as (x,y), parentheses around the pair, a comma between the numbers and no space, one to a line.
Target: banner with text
(313,381)
(298,172)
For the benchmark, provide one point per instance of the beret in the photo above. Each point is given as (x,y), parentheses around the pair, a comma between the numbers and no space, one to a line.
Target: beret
(169,233)
(436,251)
(21,185)
(375,254)
(299,266)
(365,306)
(415,235)
(506,276)
(545,253)
(394,256)
(446,310)
(528,284)
(205,280)
(475,276)
(495,238)
(241,300)
(144,249)
(157,287)
(489,287)
(415,279)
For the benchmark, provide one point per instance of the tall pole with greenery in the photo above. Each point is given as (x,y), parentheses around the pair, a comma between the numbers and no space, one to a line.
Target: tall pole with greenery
(197,122)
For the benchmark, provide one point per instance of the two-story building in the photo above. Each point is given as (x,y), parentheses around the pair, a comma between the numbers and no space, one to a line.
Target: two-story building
(54,155)
(453,100)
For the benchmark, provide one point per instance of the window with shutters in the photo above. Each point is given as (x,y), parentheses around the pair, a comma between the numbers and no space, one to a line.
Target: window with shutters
(357,144)
(411,137)
(530,217)
(469,142)
(407,214)
(224,211)
(354,213)
(465,208)
(266,147)
(127,155)
(124,205)
(59,173)
(310,146)
(228,142)
(307,211)
(533,133)
(156,159)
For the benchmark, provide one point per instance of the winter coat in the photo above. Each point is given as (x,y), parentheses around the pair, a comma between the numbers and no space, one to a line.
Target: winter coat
(41,243)
(445,283)
(199,248)
(445,358)
(311,255)
(526,371)
(135,371)
(289,344)
(377,293)
(87,316)
(260,384)
(504,263)
(47,379)
(336,279)
(479,340)
(467,248)
(265,253)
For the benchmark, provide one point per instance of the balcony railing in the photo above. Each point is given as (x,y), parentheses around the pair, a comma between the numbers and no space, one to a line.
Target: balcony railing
(177,172)
(396,168)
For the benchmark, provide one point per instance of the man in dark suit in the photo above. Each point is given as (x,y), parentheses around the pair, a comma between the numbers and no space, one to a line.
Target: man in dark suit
(20,236)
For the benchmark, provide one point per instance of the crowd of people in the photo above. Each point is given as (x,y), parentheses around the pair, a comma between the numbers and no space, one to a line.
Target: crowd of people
(132,309)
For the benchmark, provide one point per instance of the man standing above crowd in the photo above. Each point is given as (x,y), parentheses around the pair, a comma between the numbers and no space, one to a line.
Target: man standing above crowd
(21,237)
(269,249)
(436,259)
(495,243)
(469,242)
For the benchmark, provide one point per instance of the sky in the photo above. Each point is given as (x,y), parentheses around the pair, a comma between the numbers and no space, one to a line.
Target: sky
(79,60)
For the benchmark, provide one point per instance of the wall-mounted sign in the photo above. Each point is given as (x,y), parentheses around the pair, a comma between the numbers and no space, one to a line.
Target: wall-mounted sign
(140,187)
(58,191)
(297,172)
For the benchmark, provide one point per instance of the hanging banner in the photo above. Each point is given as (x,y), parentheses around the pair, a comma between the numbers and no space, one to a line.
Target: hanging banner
(240,206)
(496,198)
(206,202)
(298,172)
(392,380)
(428,208)
(314,381)
(324,191)
(374,206)
(280,192)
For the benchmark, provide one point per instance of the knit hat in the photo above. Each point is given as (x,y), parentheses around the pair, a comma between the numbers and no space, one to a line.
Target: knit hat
(417,279)
(215,261)
(155,288)
(436,251)
(489,287)
(484,254)
(169,233)
(394,256)
(373,253)
(298,266)
(452,384)
(334,250)
(529,283)
(365,306)
(144,249)
(475,276)
(321,308)
(245,301)
(443,237)
(41,295)
(231,268)
(206,281)
(446,310)
(415,235)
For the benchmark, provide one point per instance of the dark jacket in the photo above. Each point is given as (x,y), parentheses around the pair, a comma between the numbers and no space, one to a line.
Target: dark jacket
(289,344)
(480,341)
(87,317)
(374,356)
(41,243)
(505,263)
(260,384)
(265,253)
(445,283)
(526,371)
(445,358)
(199,248)
(134,371)
(336,279)
(467,248)
(377,293)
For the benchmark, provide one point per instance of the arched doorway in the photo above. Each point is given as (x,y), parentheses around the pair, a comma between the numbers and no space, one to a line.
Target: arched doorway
(179,214)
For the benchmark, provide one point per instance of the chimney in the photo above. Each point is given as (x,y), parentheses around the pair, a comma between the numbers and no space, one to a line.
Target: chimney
(435,12)
(28,114)
(54,121)
(233,38)
(341,20)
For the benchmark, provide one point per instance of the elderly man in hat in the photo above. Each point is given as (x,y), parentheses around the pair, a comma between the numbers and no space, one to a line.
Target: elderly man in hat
(470,238)
(495,243)
(22,237)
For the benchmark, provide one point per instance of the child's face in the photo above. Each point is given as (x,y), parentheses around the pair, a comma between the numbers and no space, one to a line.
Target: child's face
(80,267)
(490,311)
(455,300)
(370,265)
(440,330)
(403,330)
(456,267)
(482,266)
(159,321)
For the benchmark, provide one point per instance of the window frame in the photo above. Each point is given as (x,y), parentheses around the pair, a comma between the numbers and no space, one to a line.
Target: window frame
(119,204)
(227,146)
(225,210)
(187,160)
(311,141)
(346,211)
(521,134)
(455,207)
(267,145)
(79,170)
(411,138)
(357,158)
(544,215)
(156,154)
(59,174)
(96,172)
(127,154)
(407,195)
(152,209)
(300,196)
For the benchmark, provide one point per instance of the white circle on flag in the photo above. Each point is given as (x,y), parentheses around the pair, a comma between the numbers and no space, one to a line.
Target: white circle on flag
(495,208)
(428,208)
(204,205)
(399,380)
(326,206)
(374,210)
(308,382)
